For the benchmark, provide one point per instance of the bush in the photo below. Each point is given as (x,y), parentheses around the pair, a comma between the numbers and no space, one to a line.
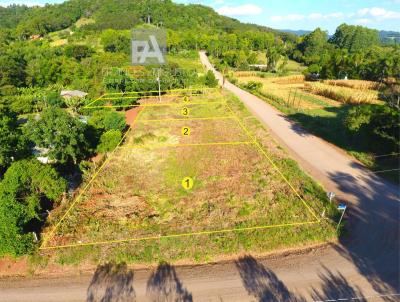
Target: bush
(253,86)
(210,79)
(377,123)
(109,141)
(106,120)
(78,51)
(25,190)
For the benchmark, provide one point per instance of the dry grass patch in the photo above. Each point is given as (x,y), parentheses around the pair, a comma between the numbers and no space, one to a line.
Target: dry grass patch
(355,84)
(139,194)
(344,94)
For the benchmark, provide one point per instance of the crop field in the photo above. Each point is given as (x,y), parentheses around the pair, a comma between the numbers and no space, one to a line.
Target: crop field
(321,107)
(195,177)
(344,94)
(291,90)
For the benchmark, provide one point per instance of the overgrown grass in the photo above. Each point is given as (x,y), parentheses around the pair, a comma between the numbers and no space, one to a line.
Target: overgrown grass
(186,60)
(343,94)
(139,194)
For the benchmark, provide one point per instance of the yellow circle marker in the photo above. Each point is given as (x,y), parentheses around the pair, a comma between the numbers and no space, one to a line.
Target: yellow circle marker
(185,111)
(185,131)
(187,183)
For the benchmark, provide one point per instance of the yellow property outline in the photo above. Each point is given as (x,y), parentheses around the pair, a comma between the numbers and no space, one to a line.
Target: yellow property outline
(141,95)
(253,141)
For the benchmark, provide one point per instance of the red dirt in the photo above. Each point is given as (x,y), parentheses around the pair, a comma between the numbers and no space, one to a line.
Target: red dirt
(13,267)
(131,114)
(97,158)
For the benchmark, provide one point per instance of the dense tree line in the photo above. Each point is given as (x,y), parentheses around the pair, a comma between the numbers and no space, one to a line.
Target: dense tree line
(353,51)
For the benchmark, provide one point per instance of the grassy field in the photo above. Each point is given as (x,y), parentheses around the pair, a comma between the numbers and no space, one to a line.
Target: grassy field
(186,60)
(322,109)
(246,194)
(291,66)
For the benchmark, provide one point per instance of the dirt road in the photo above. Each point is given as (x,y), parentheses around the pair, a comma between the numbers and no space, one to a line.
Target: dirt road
(364,264)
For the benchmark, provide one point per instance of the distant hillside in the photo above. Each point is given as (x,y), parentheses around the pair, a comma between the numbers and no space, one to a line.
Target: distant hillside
(386,37)
(122,14)
(389,37)
(299,32)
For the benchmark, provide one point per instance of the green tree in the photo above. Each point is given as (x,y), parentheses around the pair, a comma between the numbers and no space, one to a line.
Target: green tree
(355,38)
(115,41)
(105,120)
(273,55)
(377,125)
(210,80)
(78,51)
(12,143)
(314,47)
(60,133)
(74,103)
(26,185)
(12,67)
(109,140)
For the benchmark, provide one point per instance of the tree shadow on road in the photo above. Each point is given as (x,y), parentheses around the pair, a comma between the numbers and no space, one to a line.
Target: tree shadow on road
(296,127)
(372,244)
(261,283)
(335,287)
(112,283)
(165,286)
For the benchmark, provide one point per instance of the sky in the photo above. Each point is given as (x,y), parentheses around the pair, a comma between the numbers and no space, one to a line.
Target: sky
(297,14)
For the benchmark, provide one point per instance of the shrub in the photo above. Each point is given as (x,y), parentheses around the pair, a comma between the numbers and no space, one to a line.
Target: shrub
(210,79)
(109,141)
(108,120)
(253,85)
(26,187)
(78,51)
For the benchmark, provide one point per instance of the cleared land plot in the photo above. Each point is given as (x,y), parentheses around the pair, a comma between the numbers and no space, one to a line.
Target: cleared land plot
(151,98)
(240,197)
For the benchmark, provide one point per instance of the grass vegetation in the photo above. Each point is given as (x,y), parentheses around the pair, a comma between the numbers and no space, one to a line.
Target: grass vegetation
(186,60)
(323,109)
(344,94)
(139,193)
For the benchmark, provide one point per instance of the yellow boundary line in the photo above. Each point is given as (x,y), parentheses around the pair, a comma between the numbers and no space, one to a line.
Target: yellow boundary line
(51,234)
(183,145)
(189,119)
(143,97)
(158,104)
(252,142)
(87,106)
(169,90)
(180,235)
(259,147)
(104,97)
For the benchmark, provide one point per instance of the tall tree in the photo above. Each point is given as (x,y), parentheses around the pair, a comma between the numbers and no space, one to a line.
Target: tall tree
(61,134)
(12,143)
(315,47)
(355,38)
(26,184)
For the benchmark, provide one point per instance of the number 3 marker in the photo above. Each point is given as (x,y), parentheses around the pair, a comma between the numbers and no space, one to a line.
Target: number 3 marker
(185,111)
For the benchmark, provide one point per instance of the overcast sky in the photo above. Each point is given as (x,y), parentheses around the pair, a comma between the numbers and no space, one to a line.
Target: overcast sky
(297,14)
